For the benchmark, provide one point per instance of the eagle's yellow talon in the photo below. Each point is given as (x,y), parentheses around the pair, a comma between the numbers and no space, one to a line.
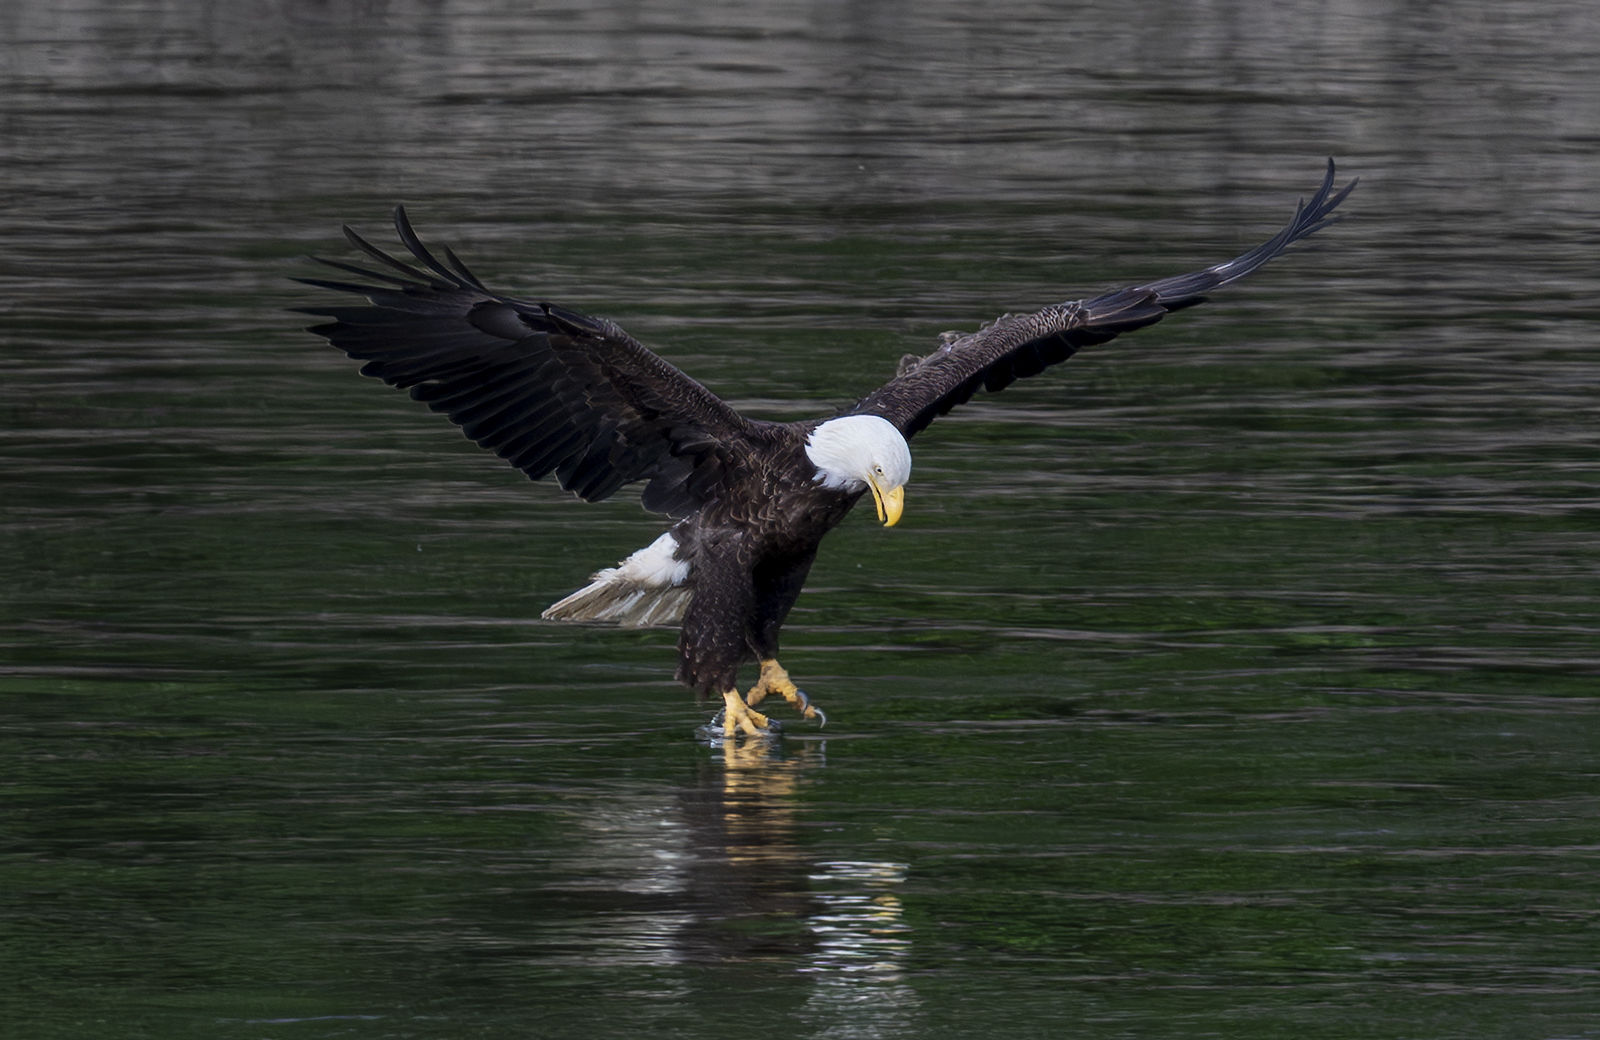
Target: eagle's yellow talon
(774,679)
(811,711)
(738,718)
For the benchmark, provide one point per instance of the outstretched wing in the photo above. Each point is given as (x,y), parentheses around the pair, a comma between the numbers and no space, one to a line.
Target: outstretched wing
(547,389)
(1018,346)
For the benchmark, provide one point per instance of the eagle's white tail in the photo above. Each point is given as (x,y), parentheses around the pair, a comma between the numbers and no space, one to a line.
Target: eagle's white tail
(651,587)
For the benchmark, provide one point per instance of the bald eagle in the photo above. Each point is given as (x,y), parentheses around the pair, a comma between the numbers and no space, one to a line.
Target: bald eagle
(554,391)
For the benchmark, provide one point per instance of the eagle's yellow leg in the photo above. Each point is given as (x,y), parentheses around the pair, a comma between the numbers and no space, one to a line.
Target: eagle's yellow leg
(774,679)
(737,717)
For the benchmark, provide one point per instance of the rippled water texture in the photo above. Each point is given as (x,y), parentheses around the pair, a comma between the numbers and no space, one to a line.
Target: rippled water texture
(1235,679)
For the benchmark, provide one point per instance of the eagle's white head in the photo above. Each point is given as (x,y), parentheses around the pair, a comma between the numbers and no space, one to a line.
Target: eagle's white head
(863,451)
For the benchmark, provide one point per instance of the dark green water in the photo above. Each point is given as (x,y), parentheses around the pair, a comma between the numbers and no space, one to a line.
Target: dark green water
(1237,679)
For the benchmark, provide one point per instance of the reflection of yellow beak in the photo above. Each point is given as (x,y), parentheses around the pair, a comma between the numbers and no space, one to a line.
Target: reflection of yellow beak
(890,503)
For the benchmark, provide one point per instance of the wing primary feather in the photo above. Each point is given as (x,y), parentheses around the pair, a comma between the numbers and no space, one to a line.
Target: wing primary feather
(325,283)
(402,227)
(1310,216)
(362,271)
(462,270)
(384,258)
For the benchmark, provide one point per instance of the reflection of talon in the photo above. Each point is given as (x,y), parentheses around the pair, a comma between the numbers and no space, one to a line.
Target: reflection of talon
(749,754)
(775,680)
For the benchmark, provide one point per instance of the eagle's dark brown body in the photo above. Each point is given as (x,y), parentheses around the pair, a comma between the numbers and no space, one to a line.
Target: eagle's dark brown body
(752,550)
(554,391)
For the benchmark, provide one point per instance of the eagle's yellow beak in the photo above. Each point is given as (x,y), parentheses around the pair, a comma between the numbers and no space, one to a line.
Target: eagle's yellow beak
(890,503)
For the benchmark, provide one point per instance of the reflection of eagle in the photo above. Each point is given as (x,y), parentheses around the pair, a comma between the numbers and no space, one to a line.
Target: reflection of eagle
(553,391)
